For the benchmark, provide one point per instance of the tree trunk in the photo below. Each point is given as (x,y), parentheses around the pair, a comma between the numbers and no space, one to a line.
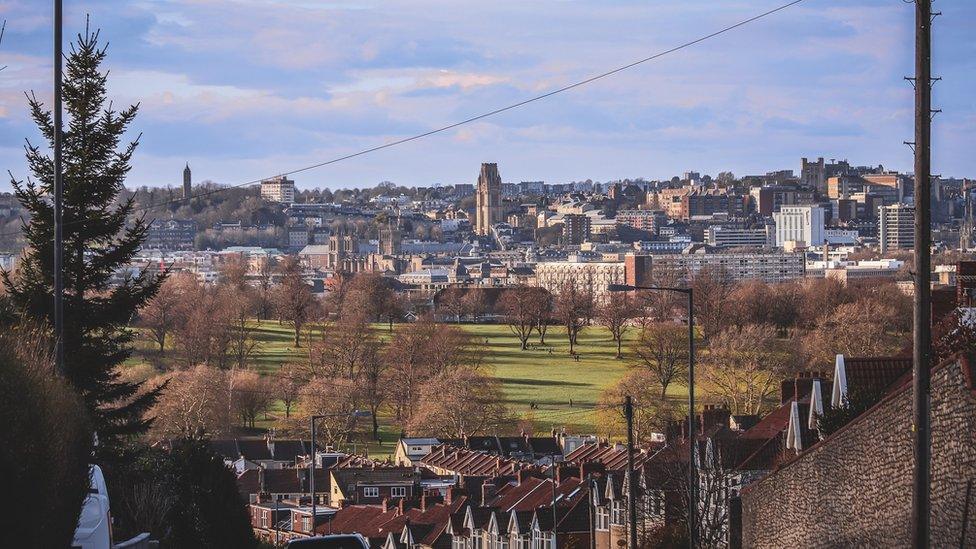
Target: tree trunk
(619,355)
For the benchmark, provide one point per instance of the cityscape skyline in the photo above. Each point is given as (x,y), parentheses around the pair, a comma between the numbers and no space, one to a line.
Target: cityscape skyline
(382,74)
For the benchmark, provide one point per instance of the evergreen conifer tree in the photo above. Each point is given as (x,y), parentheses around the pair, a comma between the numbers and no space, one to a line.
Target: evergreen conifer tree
(100,238)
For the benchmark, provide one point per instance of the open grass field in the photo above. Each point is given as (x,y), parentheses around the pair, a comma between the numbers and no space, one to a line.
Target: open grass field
(563,390)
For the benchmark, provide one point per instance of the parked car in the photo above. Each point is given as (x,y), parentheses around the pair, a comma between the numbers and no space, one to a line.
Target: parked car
(95,524)
(338,541)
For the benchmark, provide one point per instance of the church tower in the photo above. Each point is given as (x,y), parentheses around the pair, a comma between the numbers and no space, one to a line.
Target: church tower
(488,199)
(187,181)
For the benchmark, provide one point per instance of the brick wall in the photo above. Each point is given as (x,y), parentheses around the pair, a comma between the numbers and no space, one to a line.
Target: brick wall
(856,488)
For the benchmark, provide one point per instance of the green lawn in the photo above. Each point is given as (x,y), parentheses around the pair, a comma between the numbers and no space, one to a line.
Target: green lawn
(550,380)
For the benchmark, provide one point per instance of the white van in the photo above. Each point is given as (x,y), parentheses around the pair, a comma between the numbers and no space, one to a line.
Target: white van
(95,524)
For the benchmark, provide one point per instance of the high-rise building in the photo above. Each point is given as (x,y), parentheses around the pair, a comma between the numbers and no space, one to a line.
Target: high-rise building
(896,227)
(278,189)
(488,199)
(800,224)
(187,181)
(576,229)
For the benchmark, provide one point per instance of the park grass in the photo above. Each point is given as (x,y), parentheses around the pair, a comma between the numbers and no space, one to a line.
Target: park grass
(565,392)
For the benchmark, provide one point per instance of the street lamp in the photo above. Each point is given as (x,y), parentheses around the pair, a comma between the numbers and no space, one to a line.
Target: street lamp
(692,467)
(311,476)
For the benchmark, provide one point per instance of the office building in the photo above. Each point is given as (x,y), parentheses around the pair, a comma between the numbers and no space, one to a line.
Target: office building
(896,227)
(731,237)
(799,224)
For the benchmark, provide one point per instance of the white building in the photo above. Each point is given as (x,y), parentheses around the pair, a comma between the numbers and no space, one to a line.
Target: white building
(278,189)
(800,224)
(731,237)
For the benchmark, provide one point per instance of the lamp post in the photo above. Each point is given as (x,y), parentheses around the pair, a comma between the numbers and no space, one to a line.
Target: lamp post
(692,466)
(311,473)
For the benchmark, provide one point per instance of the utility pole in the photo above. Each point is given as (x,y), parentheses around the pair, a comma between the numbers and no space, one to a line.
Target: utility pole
(311,475)
(922,333)
(692,437)
(631,481)
(58,192)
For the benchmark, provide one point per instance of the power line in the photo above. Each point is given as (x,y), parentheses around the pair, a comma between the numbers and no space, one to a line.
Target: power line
(476,118)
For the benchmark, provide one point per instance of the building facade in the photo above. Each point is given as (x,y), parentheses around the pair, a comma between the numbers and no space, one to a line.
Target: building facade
(731,237)
(896,227)
(576,229)
(800,224)
(278,189)
(488,199)
(769,267)
(642,220)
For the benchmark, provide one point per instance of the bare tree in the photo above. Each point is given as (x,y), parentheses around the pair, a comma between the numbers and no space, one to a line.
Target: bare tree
(712,288)
(474,303)
(652,414)
(662,351)
(288,383)
(541,311)
(196,402)
(745,365)
(859,329)
(573,307)
(294,301)
(614,314)
(336,400)
(162,313)
(460,402)
(452,300)
(420,351)
(519,307)
(251,394)
(203,333)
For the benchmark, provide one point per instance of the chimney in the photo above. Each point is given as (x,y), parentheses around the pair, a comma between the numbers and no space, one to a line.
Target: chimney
(260,480)
(713,415)
(385,504)
(488,491)
(594,468)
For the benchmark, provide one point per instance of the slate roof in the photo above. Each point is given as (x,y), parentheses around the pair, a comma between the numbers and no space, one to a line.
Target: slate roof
(469,462)
(613,457)
(876,375)
(282,481)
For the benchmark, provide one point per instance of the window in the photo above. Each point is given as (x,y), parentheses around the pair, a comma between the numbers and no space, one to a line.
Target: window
(398,492)
(602,518)
(617,512)
(371,492)
(264,519)
(307,524)
(543,540)
(477,539)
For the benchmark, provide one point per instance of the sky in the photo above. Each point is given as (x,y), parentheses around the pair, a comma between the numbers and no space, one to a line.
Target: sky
(246,89)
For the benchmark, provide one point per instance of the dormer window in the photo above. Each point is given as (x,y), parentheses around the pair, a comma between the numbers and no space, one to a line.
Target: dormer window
(371,492)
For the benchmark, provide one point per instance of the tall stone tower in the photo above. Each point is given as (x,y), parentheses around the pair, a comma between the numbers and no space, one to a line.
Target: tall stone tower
(488,198)
(187,181)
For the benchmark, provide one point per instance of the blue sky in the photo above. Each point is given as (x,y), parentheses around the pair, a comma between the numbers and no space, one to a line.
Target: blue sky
(244,89)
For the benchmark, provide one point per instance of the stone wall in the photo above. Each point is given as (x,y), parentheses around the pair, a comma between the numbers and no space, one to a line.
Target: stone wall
(855,489)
